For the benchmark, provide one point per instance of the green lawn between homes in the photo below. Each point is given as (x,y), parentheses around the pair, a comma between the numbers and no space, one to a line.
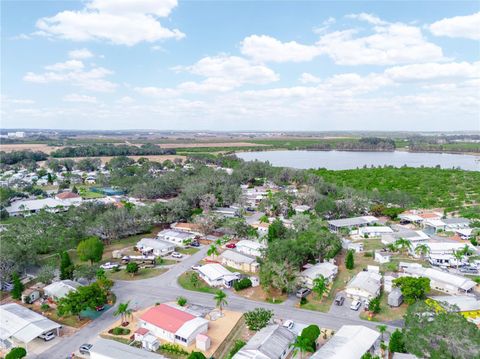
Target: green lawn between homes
(186,283)
(143,273)
(424,187)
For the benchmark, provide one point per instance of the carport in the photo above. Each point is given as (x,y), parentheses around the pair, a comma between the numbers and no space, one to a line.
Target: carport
(22,325)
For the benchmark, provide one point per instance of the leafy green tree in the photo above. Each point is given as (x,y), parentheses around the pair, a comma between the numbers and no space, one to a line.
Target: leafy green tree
(276,230)
(320,285)
(382,328)
(16,353)
(403,244)
(196,355)
(443,334)
(301,345)
(396,343)
(422,250)
(132,268)
(90,249)
(194,280)
(66,266)
(124,311)
(181,301)
(312,332)
(84,297)
(46,274)
(349,260)
(413,288)
(258,318)
(220,299)
(212,251)
(374,305)
(17,287)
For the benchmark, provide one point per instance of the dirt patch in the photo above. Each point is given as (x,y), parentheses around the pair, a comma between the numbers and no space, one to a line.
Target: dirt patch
(28,146)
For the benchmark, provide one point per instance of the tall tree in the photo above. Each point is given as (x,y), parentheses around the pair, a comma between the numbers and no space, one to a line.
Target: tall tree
(17,287)
(422,250)
(349,260)
(413,288)
(91,249)
(66,266)
(124,311)
(212,251)
(220,299)
(301,345)
(320,285)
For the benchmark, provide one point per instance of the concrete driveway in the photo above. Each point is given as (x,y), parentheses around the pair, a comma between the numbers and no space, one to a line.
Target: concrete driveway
(344,310)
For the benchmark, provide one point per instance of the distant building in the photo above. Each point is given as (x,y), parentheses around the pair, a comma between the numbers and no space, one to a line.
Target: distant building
(217,275)
(250,248)
(239,261)
(227,212)
(178,238)
(365,285)
(326,269)
(374,231)
(31,206)
(351,223)
(157,247)
(442,281)
(60,289)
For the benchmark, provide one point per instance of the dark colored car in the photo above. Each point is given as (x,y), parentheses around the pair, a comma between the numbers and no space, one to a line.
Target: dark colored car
(339,299)
(85,348)
(195,244)
(231,245)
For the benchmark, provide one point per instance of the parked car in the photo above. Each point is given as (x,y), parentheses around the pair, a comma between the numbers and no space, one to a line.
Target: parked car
(469,270)
(195,244)
(109,265)
(47,336)
(99,308)
(356,304)
(303,292)
(231,245)
(85,348)
(339,300)
(289,324)
(196,267)
(177,255)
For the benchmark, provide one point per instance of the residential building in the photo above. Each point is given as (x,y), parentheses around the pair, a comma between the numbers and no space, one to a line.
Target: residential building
(156,247)
(69,197)
(239,261)
(442,253)
(30,206)
(382,257)
(112,349)
(301,208)
(250,248)
(172,324)
(365,285)
(326,269)
(192,228)
(351,223)
(217,275)
(179,238)
(58,290)
(373,231)
(20,325)
(443,281)
(226,212)
(432,226)
(350,342)
(271,342)
(412,236)
(467,305)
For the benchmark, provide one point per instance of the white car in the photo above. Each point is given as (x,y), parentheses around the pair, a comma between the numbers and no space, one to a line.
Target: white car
(356,304)
(289,324)
(47,336)
(177,255)
(196,267)
(109,265)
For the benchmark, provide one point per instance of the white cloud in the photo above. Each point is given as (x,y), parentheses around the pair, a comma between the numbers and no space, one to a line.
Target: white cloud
(126,22)
(307,78)
(370,18)
(459,26)
(388,45)
(266,48)
(80,54)
(434,71)
(79,98)
(153,91)
(73,72)
(70,65)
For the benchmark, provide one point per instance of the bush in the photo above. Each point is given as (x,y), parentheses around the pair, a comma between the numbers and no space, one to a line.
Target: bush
(239,344)
(44,307)
(181,301)
(374,305)
(242,284)
(303,301)
(173,348)
(120,331)
(16,353)
(349,260)
(258,318)
(196,355)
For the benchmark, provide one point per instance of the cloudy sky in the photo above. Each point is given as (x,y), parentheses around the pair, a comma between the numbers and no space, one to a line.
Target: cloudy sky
(237,65)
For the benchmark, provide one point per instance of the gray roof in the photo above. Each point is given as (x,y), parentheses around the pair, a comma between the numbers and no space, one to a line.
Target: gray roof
(116,350)
(326,269)
(464,303)
(354,221)
(455,220)
(237,257)
(269,342)
(367,281)
(154,243)
(176,234)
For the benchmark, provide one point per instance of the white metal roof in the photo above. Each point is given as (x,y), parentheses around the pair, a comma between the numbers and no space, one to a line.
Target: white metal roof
(188,328)
(251,244)
(441,276)
(368,281)
(237,257)
(214,271)
(375,229)
(350,342)
(464,303)
(22,323)
(111,349)
(326,269)
(36,204)
(61,288)
(154,243)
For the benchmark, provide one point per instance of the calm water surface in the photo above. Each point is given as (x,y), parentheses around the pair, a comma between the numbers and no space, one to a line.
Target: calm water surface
(342,160)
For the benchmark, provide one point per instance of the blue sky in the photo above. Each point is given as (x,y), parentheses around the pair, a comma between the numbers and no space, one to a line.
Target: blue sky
(241,65)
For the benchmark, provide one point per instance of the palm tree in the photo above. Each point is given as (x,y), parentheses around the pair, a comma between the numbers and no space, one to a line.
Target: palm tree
(458,256)
(422,250)
(403,244)
(212,251)
(124,311)
(382,329)
(392,247)
(220,299)
(301,345)
(320,285)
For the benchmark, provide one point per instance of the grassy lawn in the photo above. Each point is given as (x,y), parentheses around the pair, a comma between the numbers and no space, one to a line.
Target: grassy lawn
(372,244)
(87,194)
(143,273)
(188,251)
(185,282)
(70,320)
(259,294)
(387,313)
(166,262)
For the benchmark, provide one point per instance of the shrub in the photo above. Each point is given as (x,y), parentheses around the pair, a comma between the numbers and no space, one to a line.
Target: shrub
(173,348)
(16,353)
(258,318)
(120,331)
(239,344)
(349,260)
(303,301)
(44,307)
(242,284)
(196,355)
(374,305)
(181,301)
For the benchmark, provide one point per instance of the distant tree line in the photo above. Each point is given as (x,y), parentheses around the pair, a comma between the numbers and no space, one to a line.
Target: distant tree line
(14,157)
(363,144)
(108,149)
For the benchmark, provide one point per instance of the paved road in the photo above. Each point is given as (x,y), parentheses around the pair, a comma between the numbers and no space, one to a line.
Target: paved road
(144,293)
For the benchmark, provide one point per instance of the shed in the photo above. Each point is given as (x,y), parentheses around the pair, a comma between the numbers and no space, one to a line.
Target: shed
(203,342)
(395,298)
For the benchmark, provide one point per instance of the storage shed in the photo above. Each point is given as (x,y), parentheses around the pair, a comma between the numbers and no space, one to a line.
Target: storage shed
(395,298)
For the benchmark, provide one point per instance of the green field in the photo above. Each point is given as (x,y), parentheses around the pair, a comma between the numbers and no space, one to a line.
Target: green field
(423,187)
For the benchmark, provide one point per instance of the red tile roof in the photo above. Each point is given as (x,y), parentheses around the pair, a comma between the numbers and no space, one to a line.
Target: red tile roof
(166,317)
(66,195)
(142,331)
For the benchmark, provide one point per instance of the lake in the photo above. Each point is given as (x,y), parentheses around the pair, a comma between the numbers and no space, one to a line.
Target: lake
(344,160)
